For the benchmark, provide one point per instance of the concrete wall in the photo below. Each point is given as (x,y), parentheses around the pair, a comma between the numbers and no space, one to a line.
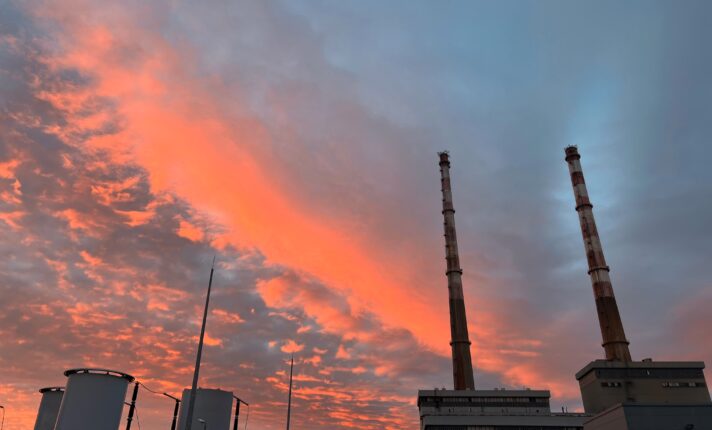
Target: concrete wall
(212,405)
(653,417)
(605,384)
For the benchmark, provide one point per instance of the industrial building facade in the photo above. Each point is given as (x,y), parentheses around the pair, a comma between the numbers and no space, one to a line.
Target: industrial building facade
(492,410)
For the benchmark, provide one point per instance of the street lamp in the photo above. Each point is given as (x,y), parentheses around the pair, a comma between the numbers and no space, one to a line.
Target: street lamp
(204,423)
(3,417)
(175,411)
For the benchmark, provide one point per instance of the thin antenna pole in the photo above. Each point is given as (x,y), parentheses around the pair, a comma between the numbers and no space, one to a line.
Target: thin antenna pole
(175,415)
(289,401)
(194,387)
(237,409)
(175,410)
(237,413)
(132,408)
(247,417)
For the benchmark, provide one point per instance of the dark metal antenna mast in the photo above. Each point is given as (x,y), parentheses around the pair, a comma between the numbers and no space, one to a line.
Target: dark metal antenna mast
(289,401)
(237,410)
(194,387)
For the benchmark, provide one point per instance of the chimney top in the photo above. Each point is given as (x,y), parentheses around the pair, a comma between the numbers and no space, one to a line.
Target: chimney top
(572,152)
(444,157)
(50,389)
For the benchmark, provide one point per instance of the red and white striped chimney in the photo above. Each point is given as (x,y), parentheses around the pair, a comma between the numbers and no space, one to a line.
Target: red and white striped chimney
(614,341)
(460,341)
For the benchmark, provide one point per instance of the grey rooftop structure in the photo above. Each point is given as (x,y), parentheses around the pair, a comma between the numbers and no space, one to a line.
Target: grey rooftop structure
(492,410)
(651,416)
(607,383)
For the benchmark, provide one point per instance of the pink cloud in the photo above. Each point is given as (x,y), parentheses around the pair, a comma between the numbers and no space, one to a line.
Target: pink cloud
(291,346)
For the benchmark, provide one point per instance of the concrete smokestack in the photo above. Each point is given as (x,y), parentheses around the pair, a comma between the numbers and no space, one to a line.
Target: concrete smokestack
(460,343)
(614,341)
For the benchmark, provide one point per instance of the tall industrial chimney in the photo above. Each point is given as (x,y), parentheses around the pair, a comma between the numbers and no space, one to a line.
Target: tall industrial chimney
(460,343)
(614,341)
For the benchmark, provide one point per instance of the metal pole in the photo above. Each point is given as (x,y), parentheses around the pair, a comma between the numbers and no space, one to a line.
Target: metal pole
(247,417)
(2,425)
(237,410)
(237,413)
(194,387)
(175,410)
(289,401)
(132,408)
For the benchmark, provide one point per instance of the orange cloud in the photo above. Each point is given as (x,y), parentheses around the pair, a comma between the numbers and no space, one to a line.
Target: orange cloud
(210,341)
(136,218)
(90,259)
(172,124)
(227,317)
(291,346)
(196,152)
(12,218)
(190,231)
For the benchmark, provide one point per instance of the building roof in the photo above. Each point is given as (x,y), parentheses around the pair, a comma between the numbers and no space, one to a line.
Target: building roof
(484,393)
(646,364)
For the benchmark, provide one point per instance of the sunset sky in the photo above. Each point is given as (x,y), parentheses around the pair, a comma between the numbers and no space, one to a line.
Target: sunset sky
(296,140)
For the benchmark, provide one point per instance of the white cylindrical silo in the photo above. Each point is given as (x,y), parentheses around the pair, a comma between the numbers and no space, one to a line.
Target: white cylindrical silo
(93,399)
(49,408)
(214,406)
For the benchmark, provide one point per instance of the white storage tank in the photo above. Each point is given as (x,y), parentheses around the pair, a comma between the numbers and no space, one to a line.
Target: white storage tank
(214,406)
(93,399)
(49,408)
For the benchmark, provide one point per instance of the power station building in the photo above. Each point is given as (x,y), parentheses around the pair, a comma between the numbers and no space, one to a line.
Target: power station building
(94,399)
(466,408)
(622,393)
(617,392)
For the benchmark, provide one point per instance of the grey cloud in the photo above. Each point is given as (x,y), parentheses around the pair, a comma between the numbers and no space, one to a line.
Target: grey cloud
(56,317)
(372,96)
